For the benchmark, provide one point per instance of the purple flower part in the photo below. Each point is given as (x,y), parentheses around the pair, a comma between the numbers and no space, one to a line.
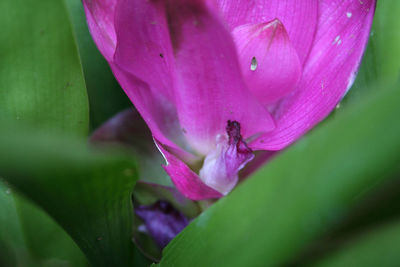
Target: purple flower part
(162,221)
(221,166)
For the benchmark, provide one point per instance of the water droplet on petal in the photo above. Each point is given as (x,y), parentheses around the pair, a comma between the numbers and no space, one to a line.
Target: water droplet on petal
(254,64)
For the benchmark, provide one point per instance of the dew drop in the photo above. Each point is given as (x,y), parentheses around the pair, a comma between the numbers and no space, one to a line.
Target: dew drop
(253,65)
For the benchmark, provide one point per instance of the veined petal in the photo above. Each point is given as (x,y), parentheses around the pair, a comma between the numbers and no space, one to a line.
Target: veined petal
(299,17)
(143,65)
(156,110)
(209,88)
(343,31)
(100,18)
(144,46)
(184,179)
(270,64)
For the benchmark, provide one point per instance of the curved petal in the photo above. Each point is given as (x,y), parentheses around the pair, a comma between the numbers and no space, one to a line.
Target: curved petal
(209,88)
(299,17)
(270,64)
(184,179)
(157,111)
(143,65)
(144,45)
(342,35)
(100,18)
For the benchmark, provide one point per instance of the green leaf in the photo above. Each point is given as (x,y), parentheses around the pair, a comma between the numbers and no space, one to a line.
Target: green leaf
(29,237)
(41,78)
(42,85)
(294,199)
(45,240)
(379,247)
(105,95)
(87,193)
(12,245)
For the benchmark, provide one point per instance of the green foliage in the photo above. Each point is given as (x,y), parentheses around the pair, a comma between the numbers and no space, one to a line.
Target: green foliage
(288,203)
(88,193)
(41,78)
(378,247)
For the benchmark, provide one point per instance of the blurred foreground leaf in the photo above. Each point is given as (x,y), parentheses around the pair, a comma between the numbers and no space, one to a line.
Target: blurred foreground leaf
(47,243)
(28,237)
(12,245)
(273,215)
(41,84)
(379,247)
(41,80)
(88,193)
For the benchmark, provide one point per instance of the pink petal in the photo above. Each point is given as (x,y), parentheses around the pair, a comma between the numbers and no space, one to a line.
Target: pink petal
(209,88)
(100,18)
(143,64)
(340,41)
(299,18)
(144,46)
(184,179)
(157,111)
(269,62)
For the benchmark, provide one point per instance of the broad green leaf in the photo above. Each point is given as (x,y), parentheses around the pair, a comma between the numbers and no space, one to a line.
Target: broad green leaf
(41,80)
(273,215)
(41,83)
(87,193)
(105,95)
(378,247)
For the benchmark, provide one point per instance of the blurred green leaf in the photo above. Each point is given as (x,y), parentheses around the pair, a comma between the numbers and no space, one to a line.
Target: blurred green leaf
(105,95)
(46,241)
(380,206)
(87,193)
(270,218)
(379,247)
(41,78)
(12,246)
(42,85)
(28,237)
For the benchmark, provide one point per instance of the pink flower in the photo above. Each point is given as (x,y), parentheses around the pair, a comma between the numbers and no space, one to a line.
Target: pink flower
(216,80)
